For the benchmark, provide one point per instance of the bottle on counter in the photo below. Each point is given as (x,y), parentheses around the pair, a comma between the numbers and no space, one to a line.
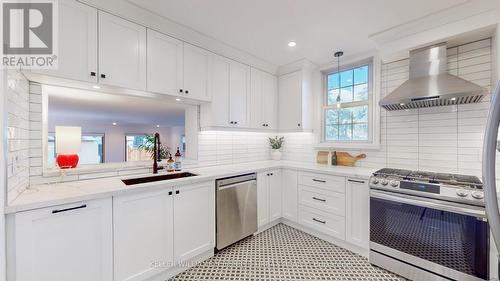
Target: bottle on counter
(334,158)
(170,164)
(178,160)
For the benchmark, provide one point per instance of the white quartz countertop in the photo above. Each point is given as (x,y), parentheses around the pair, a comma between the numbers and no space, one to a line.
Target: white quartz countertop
(46,195)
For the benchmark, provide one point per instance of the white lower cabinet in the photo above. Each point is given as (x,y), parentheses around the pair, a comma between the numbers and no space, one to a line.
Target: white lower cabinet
(289,191)
(143,234)
(67,242)
(358,212)
(327,223)
(269,197)
(194,220)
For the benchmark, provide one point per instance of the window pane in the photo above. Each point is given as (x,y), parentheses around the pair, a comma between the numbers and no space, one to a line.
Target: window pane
(360,132)
(91,150)
(359,114)
(361,75)
(346,94)
(345,132)
(135,148)
(332,96)
(331,132)
(333,81)
(332,116)
(345,116)
(361,92)
(346,78)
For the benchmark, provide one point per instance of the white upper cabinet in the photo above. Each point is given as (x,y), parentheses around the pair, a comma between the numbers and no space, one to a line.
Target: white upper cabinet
(122,52)
(67,242)
(165,63)
(239,92)
(295,102)
(196,62)
(77,50)
(143,233)
(229,87)
(263,96)
(194,220)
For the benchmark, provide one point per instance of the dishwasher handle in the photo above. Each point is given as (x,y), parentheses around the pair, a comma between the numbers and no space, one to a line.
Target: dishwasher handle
(235,184)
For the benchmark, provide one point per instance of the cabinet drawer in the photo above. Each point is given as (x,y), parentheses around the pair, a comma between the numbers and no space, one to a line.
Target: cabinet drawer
(331,202)
(333,183)
(329,224)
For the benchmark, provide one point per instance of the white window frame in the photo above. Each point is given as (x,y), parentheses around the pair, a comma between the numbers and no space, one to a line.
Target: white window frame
(373,141)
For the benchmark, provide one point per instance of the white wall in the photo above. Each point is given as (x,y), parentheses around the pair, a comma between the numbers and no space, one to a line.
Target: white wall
(440,139)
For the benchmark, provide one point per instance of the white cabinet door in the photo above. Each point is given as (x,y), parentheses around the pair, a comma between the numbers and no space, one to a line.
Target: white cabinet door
(195,76)
(143,233)
(122,52)
(275,195)
(239,92)
(357,212)
(290,101)
(269,100)
(216,113)
(67,242)
(164,63)
(262,198)
(256,100)
(290,192)
(77,50)
(194,220)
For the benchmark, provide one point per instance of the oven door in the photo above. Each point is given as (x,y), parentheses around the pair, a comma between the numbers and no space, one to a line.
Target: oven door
(445,238)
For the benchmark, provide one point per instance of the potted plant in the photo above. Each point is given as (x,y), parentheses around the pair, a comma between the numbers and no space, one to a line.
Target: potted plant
(276,144)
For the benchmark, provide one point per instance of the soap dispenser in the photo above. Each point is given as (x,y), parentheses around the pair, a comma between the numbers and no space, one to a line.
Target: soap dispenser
(334,158)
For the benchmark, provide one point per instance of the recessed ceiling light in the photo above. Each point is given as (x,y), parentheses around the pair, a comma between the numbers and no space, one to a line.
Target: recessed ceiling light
(96,87)
(157,126)
(292,44)
(114,124)
(177,99)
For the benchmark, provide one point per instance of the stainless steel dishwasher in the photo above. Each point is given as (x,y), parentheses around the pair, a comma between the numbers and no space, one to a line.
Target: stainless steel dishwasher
(236,209)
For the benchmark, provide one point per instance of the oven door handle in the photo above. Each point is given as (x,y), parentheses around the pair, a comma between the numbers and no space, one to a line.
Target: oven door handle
(474,211)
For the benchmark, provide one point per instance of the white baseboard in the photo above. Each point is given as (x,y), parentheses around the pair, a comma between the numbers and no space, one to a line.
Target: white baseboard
(343,244)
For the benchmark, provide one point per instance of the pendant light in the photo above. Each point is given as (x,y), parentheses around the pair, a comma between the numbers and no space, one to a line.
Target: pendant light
(338,55)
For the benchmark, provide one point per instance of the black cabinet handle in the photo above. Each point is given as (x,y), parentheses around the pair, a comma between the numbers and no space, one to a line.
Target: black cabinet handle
(187,92)
(170,193)
(322,181)
(319,199)
(298,125)
(92,74)
(177,192)
(236,122)
(69,209)
(320,221)
(180,91)
(231,122)
(356,181)
(103,75)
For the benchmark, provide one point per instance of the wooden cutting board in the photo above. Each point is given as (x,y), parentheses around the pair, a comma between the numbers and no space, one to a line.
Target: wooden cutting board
(322,157)
(346,159)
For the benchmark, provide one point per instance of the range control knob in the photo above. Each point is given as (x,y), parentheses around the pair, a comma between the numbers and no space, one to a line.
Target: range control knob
(394,183)
(462,193)
(375,180)
(477,194)
(384,182)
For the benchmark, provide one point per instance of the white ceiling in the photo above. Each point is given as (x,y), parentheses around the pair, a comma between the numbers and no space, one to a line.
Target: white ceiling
(80,107)
(320,27)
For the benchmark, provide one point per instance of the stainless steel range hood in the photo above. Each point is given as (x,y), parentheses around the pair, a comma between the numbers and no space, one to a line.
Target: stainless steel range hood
(430,84)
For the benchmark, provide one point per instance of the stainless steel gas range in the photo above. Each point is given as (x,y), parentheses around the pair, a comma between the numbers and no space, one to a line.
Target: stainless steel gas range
(428,226)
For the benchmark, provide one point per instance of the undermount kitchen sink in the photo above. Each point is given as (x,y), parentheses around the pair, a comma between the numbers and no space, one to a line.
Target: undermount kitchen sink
(157,178)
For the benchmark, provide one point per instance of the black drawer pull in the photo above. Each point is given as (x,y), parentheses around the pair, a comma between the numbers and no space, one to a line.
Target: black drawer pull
(319,199)
(320,221)
(92,74)
(322,181)
(356,181)
(177,192)
(103,75)
(69,209)
(170,193)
